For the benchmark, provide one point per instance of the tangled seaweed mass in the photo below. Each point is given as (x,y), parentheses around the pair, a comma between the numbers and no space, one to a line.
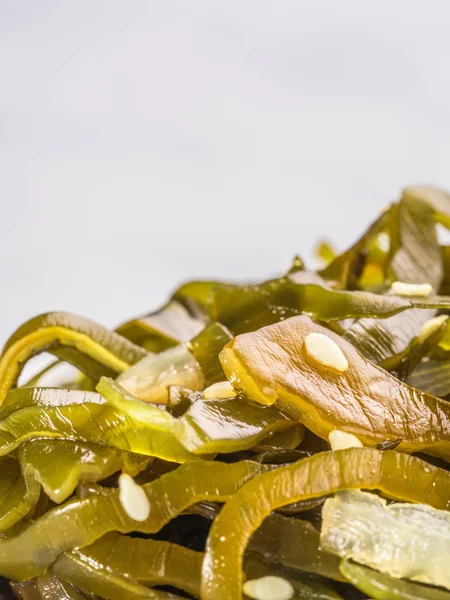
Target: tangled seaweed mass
(282,440)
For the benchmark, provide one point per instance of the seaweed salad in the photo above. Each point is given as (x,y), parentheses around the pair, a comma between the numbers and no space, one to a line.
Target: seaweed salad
(278,440)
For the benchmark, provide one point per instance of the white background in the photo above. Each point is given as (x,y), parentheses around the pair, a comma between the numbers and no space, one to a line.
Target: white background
(145,142)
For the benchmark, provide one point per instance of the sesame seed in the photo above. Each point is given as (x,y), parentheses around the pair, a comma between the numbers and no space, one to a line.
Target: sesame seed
(431,326)
(384,243)
(325,351)
(133,498)
(269,587)
(218,391)
(340,440)
(411,289)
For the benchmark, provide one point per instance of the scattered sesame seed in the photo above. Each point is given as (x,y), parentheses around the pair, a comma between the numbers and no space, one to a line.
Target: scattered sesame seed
(325,351)
(340,440)
(384,243)
(218,391)
(411,289)
(430,326)
(133,498)
(269,587)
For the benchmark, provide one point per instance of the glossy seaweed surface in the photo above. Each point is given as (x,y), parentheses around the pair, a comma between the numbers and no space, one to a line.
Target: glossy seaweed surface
(221,406)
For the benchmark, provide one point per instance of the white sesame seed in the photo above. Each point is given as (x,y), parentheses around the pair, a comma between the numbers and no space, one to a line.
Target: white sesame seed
(430,326)
(218,391)
(325,351)
(340,440)
(269,587)
(411,289)
(384,243)
(133,498)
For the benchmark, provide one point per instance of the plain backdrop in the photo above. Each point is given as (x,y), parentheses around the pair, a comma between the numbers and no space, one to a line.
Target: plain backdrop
(146,142)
